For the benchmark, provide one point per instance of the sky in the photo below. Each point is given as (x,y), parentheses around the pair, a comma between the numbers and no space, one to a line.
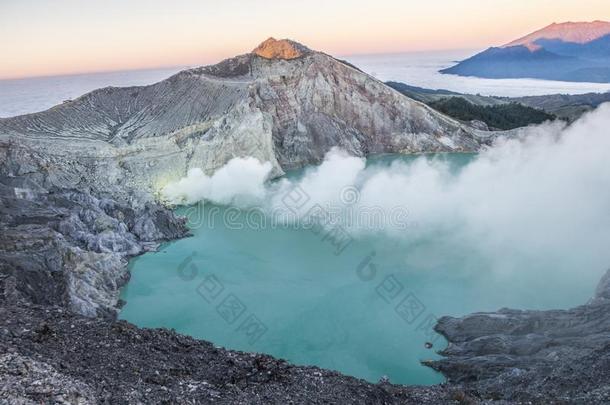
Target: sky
(53,37)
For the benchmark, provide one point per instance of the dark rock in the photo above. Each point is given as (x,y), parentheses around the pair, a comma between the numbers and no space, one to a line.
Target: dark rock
(384,380)
(76,202)
(69,248)
(532,355)
(116,362)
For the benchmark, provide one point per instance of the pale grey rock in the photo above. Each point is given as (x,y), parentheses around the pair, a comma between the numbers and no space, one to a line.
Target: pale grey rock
(68,248)
(82,179)
(79,188)
(289,112)
(602,294)
(479,125)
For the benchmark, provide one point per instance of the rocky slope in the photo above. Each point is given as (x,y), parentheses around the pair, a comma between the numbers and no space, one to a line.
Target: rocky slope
(79,180)
(77,199)
(69,248)
(286,111)
(536,356)
(48,355)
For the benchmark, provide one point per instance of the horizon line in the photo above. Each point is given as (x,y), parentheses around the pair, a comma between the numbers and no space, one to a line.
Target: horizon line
(190,66)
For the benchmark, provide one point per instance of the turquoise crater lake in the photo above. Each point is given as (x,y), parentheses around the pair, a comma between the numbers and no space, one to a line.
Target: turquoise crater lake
(365,309)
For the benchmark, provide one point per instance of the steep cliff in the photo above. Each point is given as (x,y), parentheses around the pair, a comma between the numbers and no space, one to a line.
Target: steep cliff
(282,103)
(79,180)
(77,199)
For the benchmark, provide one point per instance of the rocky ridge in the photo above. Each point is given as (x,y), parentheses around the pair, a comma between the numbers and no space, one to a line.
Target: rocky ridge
(80,180)
(575,32)
(78,189)
(575,52)
(282,49)
(286,111)
(537,356)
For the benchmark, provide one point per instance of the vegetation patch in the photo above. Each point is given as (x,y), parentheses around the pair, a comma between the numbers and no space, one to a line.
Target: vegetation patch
(502,116)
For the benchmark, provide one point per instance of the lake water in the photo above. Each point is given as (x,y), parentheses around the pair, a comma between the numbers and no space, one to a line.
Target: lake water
(366,308)
(419,69)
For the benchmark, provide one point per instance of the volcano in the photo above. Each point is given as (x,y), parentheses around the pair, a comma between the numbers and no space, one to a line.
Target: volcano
(577,52)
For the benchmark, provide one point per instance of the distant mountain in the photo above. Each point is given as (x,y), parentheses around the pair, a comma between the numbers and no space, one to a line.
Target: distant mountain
(577,52)
(569,32)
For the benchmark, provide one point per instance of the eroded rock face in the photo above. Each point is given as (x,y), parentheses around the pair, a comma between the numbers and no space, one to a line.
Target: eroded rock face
(286,110)
(533,355)
(281,49)
(79,180)
(66,247)
(77,200)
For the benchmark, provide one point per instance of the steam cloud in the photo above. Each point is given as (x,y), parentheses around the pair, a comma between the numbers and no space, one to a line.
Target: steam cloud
(543,194)
(239,179)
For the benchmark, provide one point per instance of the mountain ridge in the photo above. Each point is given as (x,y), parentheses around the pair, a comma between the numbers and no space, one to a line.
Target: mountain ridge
(575,32)
(77,200)
(295,108)
(577,52)
(126,144)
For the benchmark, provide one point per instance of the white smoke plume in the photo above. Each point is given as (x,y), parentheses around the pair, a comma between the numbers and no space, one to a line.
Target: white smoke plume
(240,179)
(543,194)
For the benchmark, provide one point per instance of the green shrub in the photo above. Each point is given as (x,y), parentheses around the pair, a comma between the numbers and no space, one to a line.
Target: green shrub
(501,116)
